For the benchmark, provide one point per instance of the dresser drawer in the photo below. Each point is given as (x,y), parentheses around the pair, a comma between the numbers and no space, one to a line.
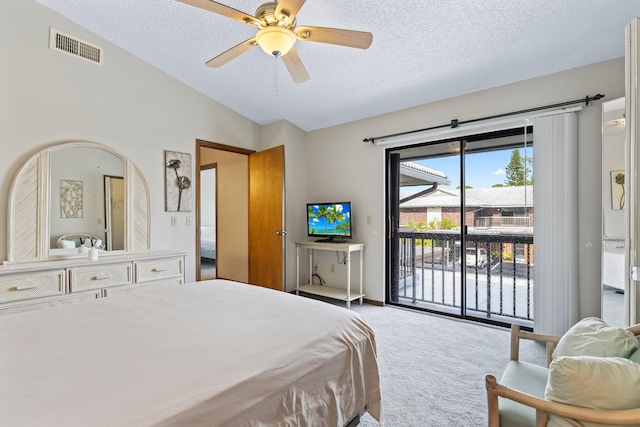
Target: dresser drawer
(147,271)
(7,309)
(81,279)
(31,286)
(142,287)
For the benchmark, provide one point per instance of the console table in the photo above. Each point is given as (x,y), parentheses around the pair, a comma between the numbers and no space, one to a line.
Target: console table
(345,295)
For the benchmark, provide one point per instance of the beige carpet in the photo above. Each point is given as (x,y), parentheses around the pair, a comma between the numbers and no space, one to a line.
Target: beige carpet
(432,368)
(207,269)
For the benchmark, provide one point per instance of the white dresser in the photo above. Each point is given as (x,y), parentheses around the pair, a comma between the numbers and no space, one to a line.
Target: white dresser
(33,286)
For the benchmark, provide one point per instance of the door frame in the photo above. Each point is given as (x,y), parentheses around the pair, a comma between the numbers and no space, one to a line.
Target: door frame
(200,143)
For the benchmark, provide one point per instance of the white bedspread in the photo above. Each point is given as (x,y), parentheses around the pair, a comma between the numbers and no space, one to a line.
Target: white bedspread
(213,353)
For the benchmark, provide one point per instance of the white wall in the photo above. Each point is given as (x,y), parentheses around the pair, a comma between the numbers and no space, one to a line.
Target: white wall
(346,168)
(208,197)
(47,97)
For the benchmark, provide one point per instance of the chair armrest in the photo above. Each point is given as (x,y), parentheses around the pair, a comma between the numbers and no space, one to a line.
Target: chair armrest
(517,335)
(635,329)
(574,414)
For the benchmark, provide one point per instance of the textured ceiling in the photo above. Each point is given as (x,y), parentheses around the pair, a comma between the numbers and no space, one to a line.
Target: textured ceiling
(422,50)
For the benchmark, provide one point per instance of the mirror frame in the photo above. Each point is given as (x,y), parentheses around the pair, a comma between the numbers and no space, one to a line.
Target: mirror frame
(29,205)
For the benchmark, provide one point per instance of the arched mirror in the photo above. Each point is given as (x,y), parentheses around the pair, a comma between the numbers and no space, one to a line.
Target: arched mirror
(77,194)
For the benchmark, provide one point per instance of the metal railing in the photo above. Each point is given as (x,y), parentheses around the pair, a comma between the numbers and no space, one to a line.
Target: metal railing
(498,276)
(503,221)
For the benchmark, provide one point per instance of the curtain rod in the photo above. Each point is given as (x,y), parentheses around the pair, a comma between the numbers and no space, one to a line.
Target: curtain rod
(454,123)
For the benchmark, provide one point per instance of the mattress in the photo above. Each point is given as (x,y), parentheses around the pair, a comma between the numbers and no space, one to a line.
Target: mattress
(214,353)
(208,242)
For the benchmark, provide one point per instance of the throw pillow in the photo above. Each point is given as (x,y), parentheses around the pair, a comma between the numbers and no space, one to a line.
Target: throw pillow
(593,337)
(593,382)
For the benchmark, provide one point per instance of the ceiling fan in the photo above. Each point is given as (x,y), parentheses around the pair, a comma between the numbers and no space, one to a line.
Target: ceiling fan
(278,32)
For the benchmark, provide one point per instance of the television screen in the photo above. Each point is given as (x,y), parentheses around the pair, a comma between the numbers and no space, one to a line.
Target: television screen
(329,221)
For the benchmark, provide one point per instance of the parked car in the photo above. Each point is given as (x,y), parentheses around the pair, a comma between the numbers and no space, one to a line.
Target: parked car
(475,257)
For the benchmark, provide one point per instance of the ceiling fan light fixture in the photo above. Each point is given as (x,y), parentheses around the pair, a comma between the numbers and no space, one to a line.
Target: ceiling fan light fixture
(275,40)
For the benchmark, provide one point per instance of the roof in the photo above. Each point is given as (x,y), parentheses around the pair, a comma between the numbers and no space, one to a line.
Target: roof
(413,174)
(493,197)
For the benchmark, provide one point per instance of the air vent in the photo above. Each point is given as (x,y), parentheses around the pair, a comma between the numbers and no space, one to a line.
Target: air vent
(73,46)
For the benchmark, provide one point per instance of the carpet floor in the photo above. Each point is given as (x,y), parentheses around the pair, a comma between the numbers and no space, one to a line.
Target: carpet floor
(432,368)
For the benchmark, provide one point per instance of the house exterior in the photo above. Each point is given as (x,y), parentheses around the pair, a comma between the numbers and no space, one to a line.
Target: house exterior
(494,208)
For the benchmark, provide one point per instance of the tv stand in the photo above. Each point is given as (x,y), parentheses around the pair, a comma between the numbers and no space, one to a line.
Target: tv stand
(330,240)
(327,291)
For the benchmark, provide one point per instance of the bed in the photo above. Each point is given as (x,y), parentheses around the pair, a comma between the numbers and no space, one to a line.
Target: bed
(214,353)
(208,242)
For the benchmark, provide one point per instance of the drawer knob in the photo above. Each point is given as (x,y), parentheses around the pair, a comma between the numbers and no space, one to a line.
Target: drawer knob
(158,270)
(103,277)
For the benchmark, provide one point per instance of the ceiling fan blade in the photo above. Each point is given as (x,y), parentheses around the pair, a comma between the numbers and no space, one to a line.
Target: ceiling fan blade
(349,38)
(232,53)
(294,65)
(289,8)
(223,10)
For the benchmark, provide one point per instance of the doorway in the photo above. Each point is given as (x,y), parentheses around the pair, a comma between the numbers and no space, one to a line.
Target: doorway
(208,215)
(615,288)
(462,226)
(249,213)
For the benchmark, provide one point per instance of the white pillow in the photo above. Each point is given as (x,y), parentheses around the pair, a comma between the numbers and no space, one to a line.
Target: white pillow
(593,382)
(68,244)
(593,337)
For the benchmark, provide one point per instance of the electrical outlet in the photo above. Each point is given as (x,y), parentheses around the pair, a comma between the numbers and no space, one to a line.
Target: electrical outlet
(333,268)
(188,220)
(315,268)
(174,221)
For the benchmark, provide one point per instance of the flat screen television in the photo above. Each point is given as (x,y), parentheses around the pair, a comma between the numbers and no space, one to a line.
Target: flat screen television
(329,222)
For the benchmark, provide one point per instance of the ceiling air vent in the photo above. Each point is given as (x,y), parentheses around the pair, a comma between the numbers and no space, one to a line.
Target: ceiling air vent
(73,46)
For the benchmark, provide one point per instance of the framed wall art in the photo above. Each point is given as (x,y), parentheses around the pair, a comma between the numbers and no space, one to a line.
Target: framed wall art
(70,199)
(178,192)
(617,190)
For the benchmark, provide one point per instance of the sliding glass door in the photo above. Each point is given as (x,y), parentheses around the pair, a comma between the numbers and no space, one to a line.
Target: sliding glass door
(460,228)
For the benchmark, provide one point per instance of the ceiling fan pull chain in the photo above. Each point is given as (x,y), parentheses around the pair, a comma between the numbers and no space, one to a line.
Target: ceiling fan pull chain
(275,75)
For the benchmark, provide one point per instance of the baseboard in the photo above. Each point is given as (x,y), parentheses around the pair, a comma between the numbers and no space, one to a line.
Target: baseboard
(374,302)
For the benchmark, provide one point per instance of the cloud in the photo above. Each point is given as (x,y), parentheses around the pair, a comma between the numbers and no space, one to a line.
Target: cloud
(498,172)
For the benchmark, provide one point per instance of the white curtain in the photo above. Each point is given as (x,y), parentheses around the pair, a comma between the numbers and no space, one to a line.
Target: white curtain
(555,235)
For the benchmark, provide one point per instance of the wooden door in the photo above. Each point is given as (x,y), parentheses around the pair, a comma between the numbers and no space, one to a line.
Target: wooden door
(266,218)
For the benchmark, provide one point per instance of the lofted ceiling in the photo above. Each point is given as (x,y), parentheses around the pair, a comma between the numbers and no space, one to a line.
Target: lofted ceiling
(422,50)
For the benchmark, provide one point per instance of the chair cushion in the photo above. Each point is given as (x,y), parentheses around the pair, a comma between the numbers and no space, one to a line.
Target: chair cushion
(593,337)
(527,378)
(593,382)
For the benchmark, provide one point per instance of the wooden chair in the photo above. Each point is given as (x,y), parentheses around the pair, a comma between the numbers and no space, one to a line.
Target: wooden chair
(575,415)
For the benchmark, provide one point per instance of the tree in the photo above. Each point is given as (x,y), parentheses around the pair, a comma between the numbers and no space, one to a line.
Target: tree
(517,170)
(497,185)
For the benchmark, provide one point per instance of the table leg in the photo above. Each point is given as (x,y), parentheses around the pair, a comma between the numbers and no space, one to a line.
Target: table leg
(297,271)
(348,279)
(361,271)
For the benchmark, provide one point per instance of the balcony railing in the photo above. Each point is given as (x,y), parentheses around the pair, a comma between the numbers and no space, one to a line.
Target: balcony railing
(503,221)
(499,274)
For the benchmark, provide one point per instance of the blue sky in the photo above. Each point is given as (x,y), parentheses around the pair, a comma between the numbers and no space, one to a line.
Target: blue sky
(482,169)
